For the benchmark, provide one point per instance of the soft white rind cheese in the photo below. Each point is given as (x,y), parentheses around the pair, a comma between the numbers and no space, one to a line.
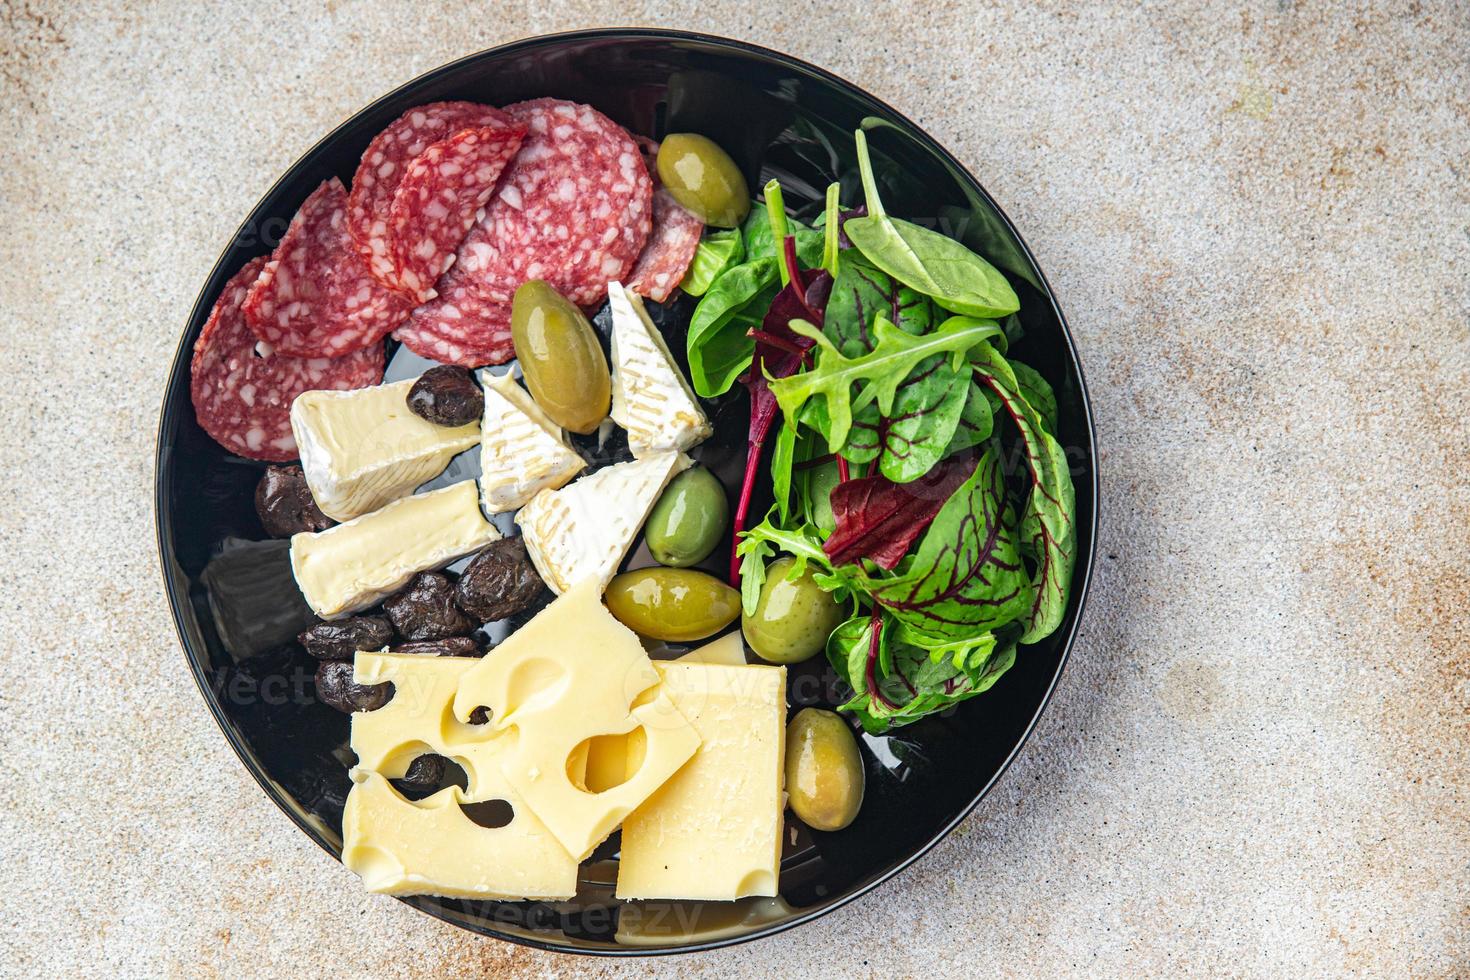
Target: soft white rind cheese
(362,448)
(584,529)
(650,397)
(354,565)
(521,450)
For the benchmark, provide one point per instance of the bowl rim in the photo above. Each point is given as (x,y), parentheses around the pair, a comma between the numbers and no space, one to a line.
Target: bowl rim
(180,605)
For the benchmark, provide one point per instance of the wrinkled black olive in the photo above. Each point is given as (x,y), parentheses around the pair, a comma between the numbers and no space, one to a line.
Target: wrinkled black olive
(340,639)
(426,610)
(285,504)
(447,395)
(480,716)
(335,686)
(424,772)
(450,646)
(499,582)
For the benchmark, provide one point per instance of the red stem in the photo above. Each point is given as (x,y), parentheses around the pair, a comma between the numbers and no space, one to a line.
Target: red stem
(871,671)
(842,473)
(742,510)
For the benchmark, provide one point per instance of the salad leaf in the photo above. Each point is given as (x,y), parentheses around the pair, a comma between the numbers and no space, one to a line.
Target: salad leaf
(967,575)
(783,459)
(898,679)
(719,343)
(879,519)
(814,485)
(877,374)
(1046,526)
(760,241)
(940,267)
(1037,392)
(768,538)
(977,419)
(859,292)
(917,435)
(717,252)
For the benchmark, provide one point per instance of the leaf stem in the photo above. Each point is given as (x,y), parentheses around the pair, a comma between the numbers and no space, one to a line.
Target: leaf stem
(870,672)
(776,211)
(865,170)
(833,229)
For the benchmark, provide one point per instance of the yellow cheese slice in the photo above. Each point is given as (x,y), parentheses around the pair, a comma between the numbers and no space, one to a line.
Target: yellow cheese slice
(402,847)
(354,565)
(362,448)
(571,674)
(713,831)
(728,650)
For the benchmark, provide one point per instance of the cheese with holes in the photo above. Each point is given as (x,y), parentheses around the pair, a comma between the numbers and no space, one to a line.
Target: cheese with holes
(522,452)
(357,564)
(650,397)
(430,846)
(713,831)
(571,674)
(361,449)
(583,530)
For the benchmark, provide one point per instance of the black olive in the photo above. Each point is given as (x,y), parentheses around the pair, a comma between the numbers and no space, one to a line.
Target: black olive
(285,504)
(499,582)
(447,395)
(450,646)
(340,639)
(426,610)
(335,686)
(424,772)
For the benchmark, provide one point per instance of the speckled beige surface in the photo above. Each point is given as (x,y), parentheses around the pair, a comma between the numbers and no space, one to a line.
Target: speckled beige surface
(1258,219)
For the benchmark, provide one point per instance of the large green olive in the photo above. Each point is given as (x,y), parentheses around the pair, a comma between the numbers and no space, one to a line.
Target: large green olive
(687,522)
(560,357)
(792,619)
(704,179)
(677,604)
(824,775)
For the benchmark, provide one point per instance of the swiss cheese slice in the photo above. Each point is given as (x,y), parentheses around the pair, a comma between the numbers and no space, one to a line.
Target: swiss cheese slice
(522,452)
(362,448)
(571,674)
(430,846)
(650,397)
(354,565)
(713,831)
(583,530)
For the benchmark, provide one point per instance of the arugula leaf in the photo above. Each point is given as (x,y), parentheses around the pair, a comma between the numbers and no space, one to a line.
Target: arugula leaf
(940,267)
(803,542)
(719,344)
(1037,392)
(878,374)
(905,678)
(966,575)
(717,252)
(1046,525)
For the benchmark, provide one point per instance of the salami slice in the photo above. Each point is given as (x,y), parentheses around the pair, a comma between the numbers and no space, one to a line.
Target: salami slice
(441,195)
(315,298)
(670,249)
(384,164)
(242,396)
(573,208)
(461,327)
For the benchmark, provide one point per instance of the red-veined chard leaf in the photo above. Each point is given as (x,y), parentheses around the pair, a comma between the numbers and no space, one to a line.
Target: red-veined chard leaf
(879,519)
(860,292)
(1037,392)
(966,576)
(1047,524)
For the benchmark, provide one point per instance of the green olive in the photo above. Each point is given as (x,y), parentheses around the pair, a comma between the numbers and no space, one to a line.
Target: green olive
(792,619)
(824,775)
(689,519)
(704,179)
(677,604)
(560,357)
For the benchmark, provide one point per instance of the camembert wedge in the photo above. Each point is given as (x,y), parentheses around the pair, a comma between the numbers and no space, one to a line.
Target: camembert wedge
(650,397)
(354,565)
(584,529)
(521,450)
(363,448)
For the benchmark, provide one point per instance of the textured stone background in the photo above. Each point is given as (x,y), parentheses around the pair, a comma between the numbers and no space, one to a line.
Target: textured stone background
(1258,219)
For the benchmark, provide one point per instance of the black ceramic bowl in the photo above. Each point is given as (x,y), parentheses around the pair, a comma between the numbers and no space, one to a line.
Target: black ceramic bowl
(236,607)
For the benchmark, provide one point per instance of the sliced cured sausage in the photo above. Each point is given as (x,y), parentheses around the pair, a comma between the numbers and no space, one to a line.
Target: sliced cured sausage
(670,249)
(460,327)
(316,298)
(242,392)
(384,164)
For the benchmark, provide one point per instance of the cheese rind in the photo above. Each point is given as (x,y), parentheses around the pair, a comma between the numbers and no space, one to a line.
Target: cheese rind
(650,397)
(571,674)
(522,452)
(363,448)
(354,565)
(584,529)
(713,830)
